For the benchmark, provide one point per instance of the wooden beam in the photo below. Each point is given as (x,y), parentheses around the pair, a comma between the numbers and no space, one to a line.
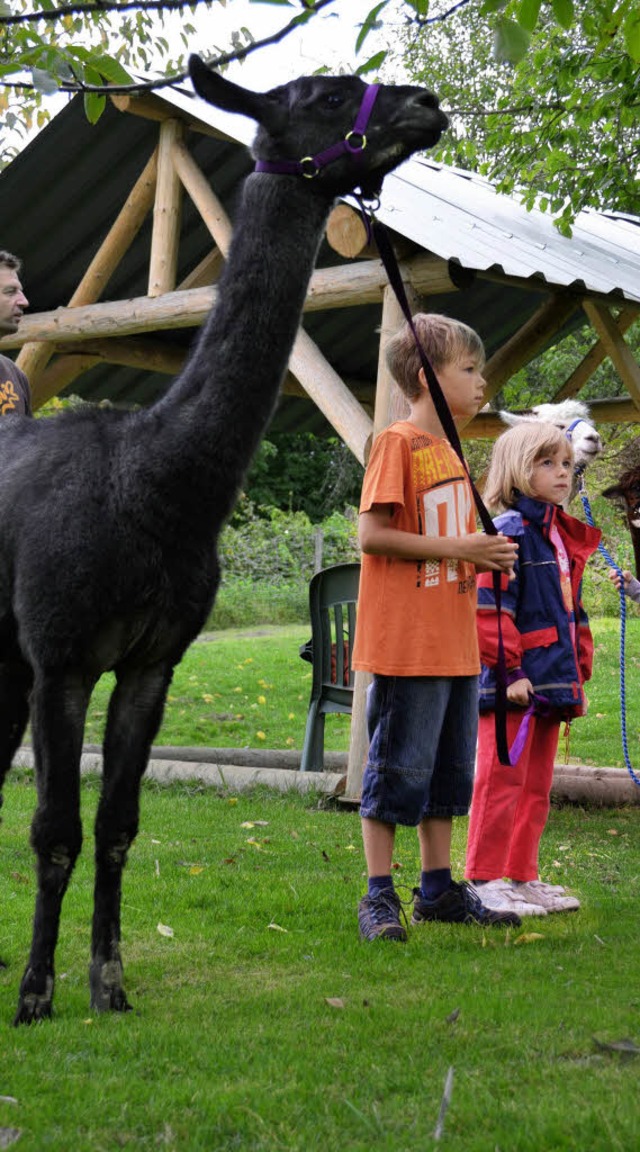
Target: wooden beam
(616,347)
(33,358)
(148,355)
(537,284)
(346,232)
(213,214)
(346,286)
(206,272)
(528,341)
(322,383)
(391,404)
(59,374)
(163,261)
(618,410)
(593,359)
(149,107)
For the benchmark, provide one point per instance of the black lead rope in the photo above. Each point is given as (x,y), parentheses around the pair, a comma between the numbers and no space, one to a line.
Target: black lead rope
(388,257)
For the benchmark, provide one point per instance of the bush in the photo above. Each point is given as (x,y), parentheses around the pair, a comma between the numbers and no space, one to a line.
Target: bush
(268,558)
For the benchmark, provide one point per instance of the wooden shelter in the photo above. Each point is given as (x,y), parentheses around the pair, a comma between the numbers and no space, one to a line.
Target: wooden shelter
(120,266)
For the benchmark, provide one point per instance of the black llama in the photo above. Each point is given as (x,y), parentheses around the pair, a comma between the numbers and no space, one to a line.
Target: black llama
(109,520)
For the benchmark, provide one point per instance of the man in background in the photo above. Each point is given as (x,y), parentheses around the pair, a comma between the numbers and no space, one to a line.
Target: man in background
(15,395)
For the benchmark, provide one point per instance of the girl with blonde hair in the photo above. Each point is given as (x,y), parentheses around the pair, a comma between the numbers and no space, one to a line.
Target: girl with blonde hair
(549,651)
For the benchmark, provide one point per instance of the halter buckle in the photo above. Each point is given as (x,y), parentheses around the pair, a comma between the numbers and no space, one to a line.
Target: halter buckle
(355,141)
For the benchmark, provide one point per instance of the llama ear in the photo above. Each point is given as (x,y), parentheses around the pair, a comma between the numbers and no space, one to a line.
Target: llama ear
(213,88)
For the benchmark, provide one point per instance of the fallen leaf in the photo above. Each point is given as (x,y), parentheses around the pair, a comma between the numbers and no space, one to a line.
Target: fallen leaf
(261,736)
(165,930)
(247,824)
(335,1001)
(528,938)
(453,1016)
(196,870)
(232,800)
(229,860)
(612,831)
(324,856)
(277,928)
(350,848)
(254,844)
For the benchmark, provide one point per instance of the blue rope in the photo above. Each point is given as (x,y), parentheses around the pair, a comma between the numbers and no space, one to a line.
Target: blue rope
(623,629)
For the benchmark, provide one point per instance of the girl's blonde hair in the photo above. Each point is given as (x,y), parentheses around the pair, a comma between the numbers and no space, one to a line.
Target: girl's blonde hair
(444,340)
(514,454)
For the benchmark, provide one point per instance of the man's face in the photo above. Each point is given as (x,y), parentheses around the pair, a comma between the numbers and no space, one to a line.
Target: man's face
(12,300)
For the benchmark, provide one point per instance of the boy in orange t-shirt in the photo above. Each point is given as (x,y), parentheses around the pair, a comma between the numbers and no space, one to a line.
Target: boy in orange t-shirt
(416,631)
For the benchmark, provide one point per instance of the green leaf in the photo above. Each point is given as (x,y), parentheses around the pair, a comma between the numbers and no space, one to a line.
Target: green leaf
(370,22)
(94,105)
(563,12)
(373,64)
(632,35)
(528,12)
(420,7)
(511,42)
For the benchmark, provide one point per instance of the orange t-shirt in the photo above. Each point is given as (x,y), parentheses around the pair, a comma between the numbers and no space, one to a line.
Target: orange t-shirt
(417,617)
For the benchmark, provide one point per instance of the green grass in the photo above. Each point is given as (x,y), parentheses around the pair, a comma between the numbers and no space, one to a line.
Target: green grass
(233,1043)
(250,689)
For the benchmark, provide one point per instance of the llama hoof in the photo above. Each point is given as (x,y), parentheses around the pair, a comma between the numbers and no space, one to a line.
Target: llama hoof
(34,1006)
(107,993)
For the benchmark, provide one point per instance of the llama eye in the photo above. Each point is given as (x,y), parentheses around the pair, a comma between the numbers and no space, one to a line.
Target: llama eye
(333,100)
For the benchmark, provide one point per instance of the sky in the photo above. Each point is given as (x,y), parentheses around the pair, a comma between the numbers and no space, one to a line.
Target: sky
(328,39)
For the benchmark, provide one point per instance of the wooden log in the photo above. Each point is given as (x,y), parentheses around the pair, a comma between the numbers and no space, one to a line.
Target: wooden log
(59,374)
(341,287)
(33,358)
(206,272)
(530,339)
(213,214)
(616,347)
(322,383)
(346,232)
(120,236)
(619,410)
(163,261)
(390,405)
(149,107)
(149,355)
(603,787)
(593,359)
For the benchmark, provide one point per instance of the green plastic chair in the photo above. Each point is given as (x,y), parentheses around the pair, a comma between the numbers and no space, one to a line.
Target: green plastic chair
(333,596)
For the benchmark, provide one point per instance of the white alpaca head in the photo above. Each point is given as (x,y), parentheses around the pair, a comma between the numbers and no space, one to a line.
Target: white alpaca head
(572,416)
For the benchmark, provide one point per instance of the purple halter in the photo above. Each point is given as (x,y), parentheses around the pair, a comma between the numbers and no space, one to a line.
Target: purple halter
(310,166)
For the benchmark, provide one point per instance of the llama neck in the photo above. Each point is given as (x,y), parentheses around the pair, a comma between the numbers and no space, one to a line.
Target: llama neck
(234,373)
(207,427)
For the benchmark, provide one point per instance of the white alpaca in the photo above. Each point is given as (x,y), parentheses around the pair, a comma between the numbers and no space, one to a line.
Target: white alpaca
(572,416)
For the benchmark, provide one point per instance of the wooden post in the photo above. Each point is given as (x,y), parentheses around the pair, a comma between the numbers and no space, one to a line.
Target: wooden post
(203,196)
(163,261)
(331,395)
(616,347)
(34,357)
(390,405)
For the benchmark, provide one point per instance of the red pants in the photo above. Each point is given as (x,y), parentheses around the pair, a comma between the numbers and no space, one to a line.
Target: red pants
(510,804)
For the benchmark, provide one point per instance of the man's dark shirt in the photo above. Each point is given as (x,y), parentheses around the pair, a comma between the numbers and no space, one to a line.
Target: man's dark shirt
(15,395)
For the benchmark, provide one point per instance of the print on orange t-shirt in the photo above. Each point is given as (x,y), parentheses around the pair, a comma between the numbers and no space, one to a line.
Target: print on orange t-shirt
(417,618)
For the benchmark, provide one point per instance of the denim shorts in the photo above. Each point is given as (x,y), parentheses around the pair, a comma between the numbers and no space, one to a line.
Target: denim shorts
(422,732)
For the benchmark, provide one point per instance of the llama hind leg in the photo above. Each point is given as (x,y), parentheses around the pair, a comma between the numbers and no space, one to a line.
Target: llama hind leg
(15,683)
(135,714)
(58,709)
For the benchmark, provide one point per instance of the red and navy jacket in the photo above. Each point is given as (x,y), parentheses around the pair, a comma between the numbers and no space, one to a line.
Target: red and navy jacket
(536,626)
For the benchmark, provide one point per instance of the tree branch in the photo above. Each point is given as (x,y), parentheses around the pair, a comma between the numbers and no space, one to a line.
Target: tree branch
(96,7)
(166,81)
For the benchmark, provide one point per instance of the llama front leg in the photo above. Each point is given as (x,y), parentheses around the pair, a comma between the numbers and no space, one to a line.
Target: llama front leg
(58,710)
(135,714)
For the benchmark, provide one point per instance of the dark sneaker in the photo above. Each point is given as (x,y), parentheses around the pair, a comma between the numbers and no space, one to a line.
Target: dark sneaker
(380,917)
(460,904)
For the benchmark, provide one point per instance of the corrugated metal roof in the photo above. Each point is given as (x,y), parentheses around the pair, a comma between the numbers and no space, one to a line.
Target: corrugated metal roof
(461,217)
(61,194)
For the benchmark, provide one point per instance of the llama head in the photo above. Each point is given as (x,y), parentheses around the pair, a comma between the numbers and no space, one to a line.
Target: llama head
(572,417)
(627,492)
(308,116)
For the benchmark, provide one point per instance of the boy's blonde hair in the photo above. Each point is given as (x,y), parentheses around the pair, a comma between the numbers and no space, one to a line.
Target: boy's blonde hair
(444,340)
(514,454)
